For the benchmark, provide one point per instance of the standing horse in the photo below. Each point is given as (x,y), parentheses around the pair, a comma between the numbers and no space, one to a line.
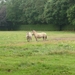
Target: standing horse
(29,36)
(39,35)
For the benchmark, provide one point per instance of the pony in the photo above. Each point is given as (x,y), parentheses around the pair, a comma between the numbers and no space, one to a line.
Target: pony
(29,36)
(39,35)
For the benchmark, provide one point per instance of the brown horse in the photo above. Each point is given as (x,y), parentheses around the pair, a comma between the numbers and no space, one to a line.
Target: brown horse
(39,35)
(29,36)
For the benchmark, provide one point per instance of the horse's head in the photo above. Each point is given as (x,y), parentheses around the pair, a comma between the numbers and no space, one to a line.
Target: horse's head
(33,32)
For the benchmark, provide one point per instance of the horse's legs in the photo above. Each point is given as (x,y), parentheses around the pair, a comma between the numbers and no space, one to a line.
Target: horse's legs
(36,39)
(43,37)
(28,40)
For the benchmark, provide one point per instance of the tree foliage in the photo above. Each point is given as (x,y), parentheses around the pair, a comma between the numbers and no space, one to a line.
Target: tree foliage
(51,12)
(70,14)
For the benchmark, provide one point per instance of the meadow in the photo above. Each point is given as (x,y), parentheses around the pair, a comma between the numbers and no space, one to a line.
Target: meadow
(55,56)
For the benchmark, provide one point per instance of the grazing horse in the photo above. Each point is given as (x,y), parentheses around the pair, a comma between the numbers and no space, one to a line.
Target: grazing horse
(39,35)
(29,36)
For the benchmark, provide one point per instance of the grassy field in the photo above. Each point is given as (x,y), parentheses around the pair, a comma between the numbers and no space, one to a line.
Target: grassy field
(55,56)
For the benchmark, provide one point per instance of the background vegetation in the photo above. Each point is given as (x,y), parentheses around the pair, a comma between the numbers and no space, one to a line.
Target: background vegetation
(14,13)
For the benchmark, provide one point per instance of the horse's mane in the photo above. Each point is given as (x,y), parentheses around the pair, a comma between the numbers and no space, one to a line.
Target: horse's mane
(34,31)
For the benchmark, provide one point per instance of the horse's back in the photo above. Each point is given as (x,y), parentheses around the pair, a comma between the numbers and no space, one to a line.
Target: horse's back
(44,33)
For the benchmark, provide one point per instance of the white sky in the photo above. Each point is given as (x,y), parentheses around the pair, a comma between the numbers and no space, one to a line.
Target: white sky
(3,0)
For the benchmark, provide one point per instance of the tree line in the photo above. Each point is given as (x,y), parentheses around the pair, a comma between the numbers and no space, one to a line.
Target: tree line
(14,13)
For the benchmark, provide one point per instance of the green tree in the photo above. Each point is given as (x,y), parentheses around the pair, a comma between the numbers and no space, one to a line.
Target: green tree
(13,11)
(71,16)
(55,13)
(3,22)
(32,11)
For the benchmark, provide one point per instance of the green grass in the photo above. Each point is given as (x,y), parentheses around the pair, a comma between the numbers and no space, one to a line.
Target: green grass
(55,56)
(37,27)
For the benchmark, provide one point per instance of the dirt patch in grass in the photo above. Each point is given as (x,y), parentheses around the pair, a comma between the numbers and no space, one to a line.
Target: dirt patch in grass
(64,38)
